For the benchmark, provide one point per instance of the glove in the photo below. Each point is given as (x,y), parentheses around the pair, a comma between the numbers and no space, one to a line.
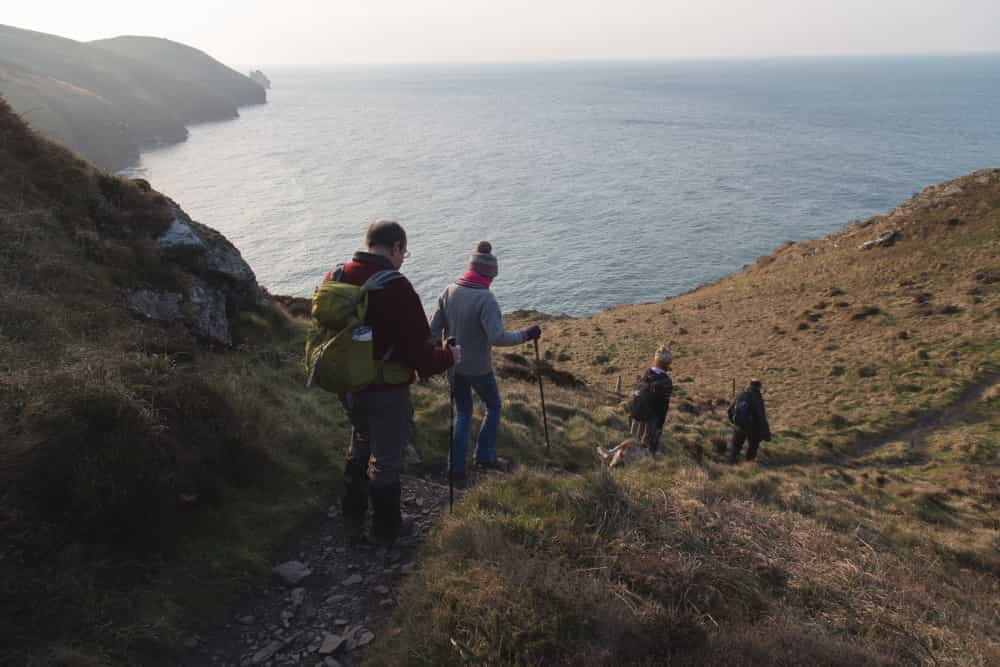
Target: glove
(534,332)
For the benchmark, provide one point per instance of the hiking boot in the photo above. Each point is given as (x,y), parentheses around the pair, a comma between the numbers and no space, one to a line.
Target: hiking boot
(387,518)
(501,465)
(354,506)
(460,480)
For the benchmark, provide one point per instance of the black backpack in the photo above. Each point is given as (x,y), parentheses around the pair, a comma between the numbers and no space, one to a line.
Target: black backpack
(641,406)
(740,412)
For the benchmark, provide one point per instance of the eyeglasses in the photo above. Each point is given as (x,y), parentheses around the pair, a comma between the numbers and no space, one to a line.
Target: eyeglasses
(406,254)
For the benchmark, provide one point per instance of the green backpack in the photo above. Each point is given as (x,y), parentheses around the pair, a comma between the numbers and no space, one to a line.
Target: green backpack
(339,345)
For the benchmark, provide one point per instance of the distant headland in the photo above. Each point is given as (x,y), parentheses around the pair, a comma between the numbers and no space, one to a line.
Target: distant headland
(260,78)
(110,98)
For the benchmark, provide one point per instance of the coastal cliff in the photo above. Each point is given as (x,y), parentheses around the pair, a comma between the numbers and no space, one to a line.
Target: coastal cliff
(106,100)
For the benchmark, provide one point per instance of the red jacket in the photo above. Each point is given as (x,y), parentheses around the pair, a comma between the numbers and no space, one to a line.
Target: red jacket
(397,319)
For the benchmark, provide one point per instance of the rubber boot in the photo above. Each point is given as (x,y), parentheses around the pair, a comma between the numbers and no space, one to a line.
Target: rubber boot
(355,503)
(388,523)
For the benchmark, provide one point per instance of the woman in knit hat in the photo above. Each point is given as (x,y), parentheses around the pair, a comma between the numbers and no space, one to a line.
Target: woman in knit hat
(468,312)
(651,400)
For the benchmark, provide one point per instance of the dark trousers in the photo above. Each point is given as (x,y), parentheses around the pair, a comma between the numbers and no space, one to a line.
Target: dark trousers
(739,437)
(381,421)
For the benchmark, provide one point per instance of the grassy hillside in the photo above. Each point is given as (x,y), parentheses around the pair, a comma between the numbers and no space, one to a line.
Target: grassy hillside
(867,534)
(144,478)
(105,104)
(849,343)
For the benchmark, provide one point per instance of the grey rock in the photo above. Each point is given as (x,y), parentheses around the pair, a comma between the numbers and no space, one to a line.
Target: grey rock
(352,580)
(951,190)
(226,260)
(221,257)
(292,572)
(884,240)
(179,235)
(361,638)
(245,620)
(266,653)
(331,643)
(308,611)
(298,597)
(407,568)
(382,590)
(330,662)
(208,313)
(154,305)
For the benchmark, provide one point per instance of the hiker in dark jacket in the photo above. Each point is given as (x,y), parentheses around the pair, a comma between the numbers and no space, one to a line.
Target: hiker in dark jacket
(749,421)
(468,311)
(652,401)
(381,413)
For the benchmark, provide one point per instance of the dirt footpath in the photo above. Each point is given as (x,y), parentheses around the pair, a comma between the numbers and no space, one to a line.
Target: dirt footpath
(328,602)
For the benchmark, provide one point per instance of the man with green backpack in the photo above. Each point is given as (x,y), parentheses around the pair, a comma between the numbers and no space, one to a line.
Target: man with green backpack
(368,341)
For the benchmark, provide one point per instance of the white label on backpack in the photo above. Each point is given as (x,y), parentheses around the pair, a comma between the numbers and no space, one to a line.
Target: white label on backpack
(362,334)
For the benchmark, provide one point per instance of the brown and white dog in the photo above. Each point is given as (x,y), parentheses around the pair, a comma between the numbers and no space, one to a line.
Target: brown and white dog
(629,451)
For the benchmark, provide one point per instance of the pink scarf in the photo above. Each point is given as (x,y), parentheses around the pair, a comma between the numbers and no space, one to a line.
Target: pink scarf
(473,277)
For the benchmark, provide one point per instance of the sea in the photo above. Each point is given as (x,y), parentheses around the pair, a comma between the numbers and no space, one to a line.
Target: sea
(597,183)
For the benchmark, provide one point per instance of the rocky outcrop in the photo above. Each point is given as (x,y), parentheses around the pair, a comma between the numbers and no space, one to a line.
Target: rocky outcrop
(219,283)
(885,240)
(261,79)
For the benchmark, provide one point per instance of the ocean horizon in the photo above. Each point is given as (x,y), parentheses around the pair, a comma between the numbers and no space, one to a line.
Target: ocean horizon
(597,183)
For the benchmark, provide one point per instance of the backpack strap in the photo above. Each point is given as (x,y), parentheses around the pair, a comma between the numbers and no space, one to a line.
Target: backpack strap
(381,279)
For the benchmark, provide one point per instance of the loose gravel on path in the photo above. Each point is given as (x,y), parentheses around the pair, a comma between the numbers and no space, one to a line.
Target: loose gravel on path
(330,602)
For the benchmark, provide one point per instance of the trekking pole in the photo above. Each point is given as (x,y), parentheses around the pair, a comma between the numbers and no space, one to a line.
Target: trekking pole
(451,433)
(541,392)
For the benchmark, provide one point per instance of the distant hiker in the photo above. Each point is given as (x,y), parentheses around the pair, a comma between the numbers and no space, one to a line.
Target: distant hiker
(749,421)
(647,409)
(381,412)
(468,311)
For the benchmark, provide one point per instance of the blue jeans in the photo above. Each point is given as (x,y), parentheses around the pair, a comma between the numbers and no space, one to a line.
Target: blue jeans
(486,445)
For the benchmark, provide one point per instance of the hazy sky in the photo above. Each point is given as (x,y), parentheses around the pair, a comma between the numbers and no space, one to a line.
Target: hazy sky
(262,32)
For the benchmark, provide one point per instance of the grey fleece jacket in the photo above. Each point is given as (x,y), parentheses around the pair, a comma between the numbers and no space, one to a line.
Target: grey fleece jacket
(470,313)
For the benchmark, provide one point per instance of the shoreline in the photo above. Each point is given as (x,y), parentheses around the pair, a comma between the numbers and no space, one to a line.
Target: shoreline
(134,162)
